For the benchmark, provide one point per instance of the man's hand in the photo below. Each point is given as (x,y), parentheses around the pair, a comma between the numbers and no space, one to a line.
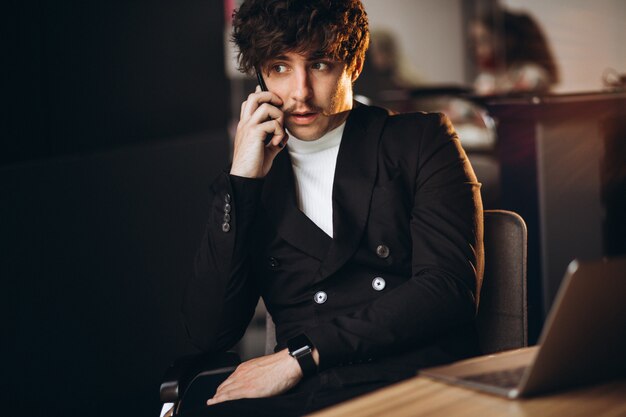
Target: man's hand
(259,117)
(260,377)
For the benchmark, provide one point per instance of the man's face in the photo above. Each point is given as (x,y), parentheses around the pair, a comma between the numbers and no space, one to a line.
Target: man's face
(316,92)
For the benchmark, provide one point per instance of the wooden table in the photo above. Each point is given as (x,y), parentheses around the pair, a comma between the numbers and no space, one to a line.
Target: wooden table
(421,396)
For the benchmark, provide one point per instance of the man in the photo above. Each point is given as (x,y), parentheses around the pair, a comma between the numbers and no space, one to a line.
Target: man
(361,231)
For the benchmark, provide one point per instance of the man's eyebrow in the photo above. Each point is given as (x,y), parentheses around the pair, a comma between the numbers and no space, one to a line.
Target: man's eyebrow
(313,56)
(310,57)
(318,55)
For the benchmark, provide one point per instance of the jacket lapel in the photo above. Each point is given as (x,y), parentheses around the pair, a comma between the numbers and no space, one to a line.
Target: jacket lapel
(279,200)
(355,176)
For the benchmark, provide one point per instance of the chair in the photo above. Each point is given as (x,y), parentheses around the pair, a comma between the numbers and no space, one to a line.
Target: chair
(501,322)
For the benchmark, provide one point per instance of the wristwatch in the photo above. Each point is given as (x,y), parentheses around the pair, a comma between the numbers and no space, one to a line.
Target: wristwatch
(301,348)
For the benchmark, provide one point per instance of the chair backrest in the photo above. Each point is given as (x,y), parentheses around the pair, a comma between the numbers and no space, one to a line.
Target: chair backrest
(502,320)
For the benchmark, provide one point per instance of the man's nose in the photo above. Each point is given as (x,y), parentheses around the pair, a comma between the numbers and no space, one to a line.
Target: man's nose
(302,89)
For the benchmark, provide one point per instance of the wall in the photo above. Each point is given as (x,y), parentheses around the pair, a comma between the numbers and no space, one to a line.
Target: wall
(587,38)
(85,75)
(429,33)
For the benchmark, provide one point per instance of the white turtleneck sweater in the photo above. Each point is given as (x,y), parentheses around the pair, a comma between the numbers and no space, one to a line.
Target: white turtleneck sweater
(314,170)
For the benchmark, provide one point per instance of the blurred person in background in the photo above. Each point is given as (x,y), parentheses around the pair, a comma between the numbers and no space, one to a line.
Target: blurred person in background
(512,54)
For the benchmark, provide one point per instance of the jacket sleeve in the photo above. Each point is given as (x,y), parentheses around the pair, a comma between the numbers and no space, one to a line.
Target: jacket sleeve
(446,262)
(220,297)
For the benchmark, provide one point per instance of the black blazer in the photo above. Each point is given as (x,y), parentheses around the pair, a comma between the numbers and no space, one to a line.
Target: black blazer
(395,289)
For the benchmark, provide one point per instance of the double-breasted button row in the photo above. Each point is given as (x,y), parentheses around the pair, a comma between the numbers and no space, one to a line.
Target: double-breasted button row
(320,297)
(227,209)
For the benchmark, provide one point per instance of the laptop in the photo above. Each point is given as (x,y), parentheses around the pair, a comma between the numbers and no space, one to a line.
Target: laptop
(583,340)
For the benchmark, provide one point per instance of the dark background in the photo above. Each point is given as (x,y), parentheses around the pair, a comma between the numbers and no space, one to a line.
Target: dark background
(113,125)
(85,75)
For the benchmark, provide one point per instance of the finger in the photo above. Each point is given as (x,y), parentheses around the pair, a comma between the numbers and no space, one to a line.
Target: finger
(256,99)
(243,107)
(274,99)
(265,112)
(228,381)
(215,400)
(230,394)
(269,96)
(271,152)
(274,128)
(249,106)
(234,392)
(279,140)
(218,397)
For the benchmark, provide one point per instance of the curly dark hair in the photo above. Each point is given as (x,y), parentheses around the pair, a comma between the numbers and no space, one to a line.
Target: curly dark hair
(263,29)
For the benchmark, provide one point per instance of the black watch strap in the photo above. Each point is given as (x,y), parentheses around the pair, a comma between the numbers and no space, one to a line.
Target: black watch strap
(301,348)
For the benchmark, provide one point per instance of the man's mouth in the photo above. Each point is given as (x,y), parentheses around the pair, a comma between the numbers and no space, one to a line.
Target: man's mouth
(303,118)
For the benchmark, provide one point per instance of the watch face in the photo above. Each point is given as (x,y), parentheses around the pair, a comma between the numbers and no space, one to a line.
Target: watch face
(304,350)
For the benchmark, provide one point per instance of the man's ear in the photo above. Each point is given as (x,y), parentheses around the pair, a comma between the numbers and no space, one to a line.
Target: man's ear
(358,67)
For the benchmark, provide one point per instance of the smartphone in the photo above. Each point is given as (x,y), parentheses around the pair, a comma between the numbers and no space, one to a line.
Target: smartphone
(261,82)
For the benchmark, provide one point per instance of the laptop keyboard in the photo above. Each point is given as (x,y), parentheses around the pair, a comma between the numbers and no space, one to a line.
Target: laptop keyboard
(507,378)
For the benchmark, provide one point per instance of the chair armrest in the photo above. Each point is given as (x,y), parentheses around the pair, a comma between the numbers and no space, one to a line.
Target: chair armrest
(184,370)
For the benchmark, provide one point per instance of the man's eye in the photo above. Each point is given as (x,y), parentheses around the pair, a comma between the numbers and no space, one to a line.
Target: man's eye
(323,66)
(279,68)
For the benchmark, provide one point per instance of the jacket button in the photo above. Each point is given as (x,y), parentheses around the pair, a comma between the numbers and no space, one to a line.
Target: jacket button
(227,208)
(225,227)
(227,198)
(382,251)
(273,262)
(226,218)
(378,284)
(320,297)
